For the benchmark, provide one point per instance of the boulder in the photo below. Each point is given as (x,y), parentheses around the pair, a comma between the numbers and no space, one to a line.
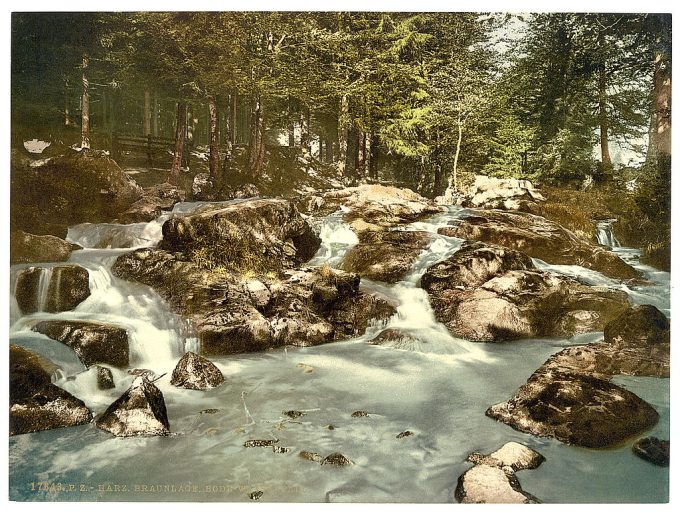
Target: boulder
(35,404)
(539,238)
(517,457)
(167,194)
(140,411)
(337,460)
(145,209)
(65,287)
(489,293)
(639,326)
(31,248)
(50,198)
(386,255)
(393,336)
(380,206)
(575,408)
(653,450)
(195,372)
(105,378)
(254,235)
(93,342)
(484,484)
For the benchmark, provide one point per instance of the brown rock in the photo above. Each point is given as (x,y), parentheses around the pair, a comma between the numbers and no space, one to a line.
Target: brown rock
(195,372)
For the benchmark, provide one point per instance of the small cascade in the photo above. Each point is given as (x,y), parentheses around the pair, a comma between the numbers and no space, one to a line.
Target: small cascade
(43,288)
(337,237)
(605,233)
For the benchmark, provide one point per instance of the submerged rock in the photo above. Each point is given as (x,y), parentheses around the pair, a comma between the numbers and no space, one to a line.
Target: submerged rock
(68,286)
(93,342)
(394,336)
(539,238)
(140,411)
(311,456)
(260,443)
(576,409)
(105,378)
(404,434)
(639,326)
(31,248)
(360,414)
(653,450)
(337,460)
(35,404)
(195,372)
(489,293)
(387,255)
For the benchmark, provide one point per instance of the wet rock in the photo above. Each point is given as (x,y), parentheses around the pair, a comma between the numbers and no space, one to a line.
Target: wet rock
(380,206)
(488,293)
(209,411)
(31,248)
(576,409)
(293,414)
(147,374)
(337,460)
(195,372)
(360,414)
(394,336)
(67,286)
(35,404)
(93,342)
(55,192)
(145,209)
(165,195)
(280,450)
(330,427)
(255,496)
(653,450)
(387,255)
(311,456)
(267,234)
(639,326)
(539,238)
(105,378)
(517,456)
(484,484)
(140,411)
(259,294)
(260,443)
(404,434)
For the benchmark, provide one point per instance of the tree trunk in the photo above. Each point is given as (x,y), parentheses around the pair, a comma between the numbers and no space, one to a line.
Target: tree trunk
(373,159)
(154,127)
(214,160)
(147,111)
(85,124)
(180,135)
(257,146)
(232,121)
(662,102)
(254,146)
(189,143)
(305,139)
(453,181)
(329,150)
(343,124)
(67,106)
(291,126)
(361,154)
(604,120)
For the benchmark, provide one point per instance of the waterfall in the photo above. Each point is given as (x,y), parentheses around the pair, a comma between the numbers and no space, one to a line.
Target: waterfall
(605,234)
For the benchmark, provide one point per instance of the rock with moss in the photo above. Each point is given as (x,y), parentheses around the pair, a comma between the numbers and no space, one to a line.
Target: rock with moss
(195,372)
(140,411)
(35,404)
(490,293)
(31,248)
(93,342)
(68,286)
(386,255)
(539,238)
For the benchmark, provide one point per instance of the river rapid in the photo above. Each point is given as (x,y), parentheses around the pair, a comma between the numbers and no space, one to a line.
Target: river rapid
(436,386)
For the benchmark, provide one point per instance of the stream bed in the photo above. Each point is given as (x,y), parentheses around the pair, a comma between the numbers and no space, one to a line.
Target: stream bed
(437,387)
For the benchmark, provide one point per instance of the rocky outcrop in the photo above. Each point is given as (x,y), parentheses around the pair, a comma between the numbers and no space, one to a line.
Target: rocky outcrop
(653,450)
(31,248)
(155,200)
(67,286)
(375,206)
(539,238)
(639,326)
(75,187)
(489,293)
(509,194)
(35,404)
(234,314)
(93,342)
(387,255)
(493,479)
(140,411)
(253,235)
(194,372)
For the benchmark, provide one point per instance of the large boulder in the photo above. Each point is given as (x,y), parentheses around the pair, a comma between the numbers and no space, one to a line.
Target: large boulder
(575,408)
(155,200)
(31,248)
(233,313)
(639,326)
(140,411)
(194,372)
(489,293)
(510,194)
(35,404)
(386,255)
(75,187)
(267,234)
(65,287)
(93,342)
(376,206)
(539,238)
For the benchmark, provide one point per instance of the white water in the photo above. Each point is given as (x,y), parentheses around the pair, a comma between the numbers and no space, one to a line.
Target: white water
(436,386)
(605,234)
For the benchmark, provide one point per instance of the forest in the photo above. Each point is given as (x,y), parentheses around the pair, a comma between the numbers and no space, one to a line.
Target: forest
(345,238)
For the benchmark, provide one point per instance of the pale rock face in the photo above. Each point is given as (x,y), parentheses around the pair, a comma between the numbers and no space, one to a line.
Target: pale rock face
(518,456)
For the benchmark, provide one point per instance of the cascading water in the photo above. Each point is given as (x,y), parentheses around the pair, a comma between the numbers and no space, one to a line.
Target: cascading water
(605,234)
(438,388)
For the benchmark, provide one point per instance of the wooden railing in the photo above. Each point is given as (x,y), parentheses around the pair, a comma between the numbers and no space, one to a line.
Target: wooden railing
(151,145)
